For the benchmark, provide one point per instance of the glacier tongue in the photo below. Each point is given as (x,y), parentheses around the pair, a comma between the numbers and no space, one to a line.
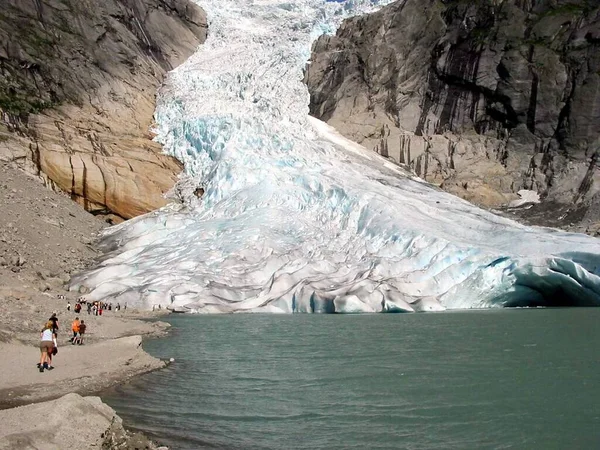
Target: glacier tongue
(294,217)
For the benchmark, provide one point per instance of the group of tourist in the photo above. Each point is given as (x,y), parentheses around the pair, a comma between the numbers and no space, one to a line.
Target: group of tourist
(49,336)
(78,328)
(93,307)
(49,345)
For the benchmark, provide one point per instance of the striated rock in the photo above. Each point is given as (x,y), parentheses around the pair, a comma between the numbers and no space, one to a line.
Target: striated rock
(481,98)
(77,91)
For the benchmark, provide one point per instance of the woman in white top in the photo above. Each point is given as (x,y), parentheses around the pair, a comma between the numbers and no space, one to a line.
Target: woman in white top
(46,346)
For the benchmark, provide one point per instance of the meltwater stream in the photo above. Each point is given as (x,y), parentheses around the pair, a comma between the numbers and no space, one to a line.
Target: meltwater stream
(295,218)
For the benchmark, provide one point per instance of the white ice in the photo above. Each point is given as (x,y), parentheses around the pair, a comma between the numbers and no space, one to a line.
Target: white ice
(525,197)
(295,218)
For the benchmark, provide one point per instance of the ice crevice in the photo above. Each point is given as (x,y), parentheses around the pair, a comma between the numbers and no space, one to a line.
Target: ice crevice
(296,218)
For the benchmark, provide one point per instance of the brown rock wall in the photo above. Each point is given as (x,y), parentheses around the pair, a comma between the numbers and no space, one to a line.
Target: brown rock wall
(77,94)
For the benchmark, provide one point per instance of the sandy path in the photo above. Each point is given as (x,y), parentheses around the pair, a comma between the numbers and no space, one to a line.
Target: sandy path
(83,369)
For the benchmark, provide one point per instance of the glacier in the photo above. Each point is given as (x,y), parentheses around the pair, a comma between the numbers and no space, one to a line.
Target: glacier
(296,218)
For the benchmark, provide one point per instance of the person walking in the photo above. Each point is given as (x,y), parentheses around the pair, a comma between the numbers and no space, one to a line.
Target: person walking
(75,328)
(54,321)
(46,347)
(68,306)
(82,327)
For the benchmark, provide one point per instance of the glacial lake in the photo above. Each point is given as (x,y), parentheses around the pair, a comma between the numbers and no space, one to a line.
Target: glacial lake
(523,379)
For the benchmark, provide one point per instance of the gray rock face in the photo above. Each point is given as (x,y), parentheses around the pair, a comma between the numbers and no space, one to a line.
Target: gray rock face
(77,87)
(483,98)
(91,425)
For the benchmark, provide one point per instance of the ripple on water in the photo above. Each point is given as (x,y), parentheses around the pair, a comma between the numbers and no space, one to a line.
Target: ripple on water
(418,381)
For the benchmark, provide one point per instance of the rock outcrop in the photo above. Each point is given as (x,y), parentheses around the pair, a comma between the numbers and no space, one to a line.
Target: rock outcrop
(71,421)
(484,98)
(77,93)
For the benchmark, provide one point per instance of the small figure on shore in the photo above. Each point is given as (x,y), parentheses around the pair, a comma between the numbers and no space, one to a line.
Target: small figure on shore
(47,346)
(75,328)
(89,308)
(77,308)
(68,306)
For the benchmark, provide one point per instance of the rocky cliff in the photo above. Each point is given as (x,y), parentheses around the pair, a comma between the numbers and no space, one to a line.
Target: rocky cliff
(77,92)
(484,98)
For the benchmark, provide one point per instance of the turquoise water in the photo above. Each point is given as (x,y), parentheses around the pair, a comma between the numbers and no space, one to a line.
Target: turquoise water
(478,379)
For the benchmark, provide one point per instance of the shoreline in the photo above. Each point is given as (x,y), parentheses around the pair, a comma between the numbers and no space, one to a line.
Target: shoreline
(86,370)
(112,355)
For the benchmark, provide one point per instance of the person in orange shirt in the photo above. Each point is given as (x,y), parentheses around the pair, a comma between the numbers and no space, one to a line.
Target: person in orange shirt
(75,328)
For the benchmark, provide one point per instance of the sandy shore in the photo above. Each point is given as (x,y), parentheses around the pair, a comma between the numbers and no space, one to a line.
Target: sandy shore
(56,416)
(44,238)
(84,369)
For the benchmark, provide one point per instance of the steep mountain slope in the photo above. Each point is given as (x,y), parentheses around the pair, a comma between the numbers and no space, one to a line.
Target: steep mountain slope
(483,98)
(77,87)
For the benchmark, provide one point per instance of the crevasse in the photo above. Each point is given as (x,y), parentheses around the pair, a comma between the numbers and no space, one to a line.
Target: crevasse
(295,218)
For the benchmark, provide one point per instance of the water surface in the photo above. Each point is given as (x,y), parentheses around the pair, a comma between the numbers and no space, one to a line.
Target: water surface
(474,379)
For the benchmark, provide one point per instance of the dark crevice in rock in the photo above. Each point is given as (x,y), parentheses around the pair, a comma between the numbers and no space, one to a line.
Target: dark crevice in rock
(35,152)
(84,184)
(533,96)
(586,184)
(72,190)
(562,128)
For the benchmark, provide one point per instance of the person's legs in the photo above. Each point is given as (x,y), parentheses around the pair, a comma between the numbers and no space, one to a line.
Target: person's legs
(48,362)
(46,355)
(42,358)
(50,354)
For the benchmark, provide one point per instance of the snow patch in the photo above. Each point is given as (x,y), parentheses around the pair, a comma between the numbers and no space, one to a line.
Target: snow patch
(526,197)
